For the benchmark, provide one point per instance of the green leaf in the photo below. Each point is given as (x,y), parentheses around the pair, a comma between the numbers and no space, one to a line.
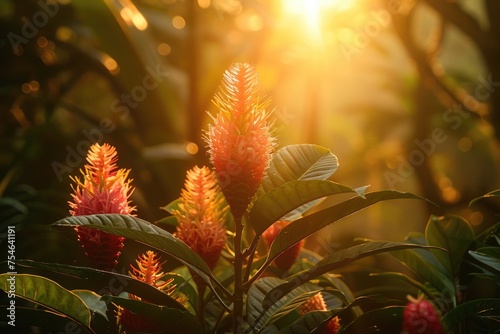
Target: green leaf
(307,323)
(490,256)
(93,302)
(43,291)
(407,279)
(140,230)
(303,227)
(469,309)
(281,200)
(298,162)
(382,320)
(425,265)
(334,261)
(167,223)
(452,233)
(107,282)
(494,193)
(175,320)
(262,313)
(172,206)
(49,320)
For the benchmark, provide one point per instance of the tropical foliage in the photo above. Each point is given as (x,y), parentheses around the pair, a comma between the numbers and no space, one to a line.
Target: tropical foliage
(225,277)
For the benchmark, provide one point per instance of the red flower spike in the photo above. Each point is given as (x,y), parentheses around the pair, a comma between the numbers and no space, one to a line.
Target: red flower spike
(240,141)
(420,317)
(103,189)
(287,258)
(317,303)
(201,213)
(148,271)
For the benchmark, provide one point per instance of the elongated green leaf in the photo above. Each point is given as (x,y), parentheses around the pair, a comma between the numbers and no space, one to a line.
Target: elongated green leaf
(43,291)
(490,256)
(298,162)
(172,206)
(93,302)
(55,322)
(452,233)
(140,230)
(307,323)
(425,265)
(494,193)
(262,313)
(279,201)
(107,282)
(382,320)
(407,279)
(307,225)
(173,320)
(469,309)
(334,261)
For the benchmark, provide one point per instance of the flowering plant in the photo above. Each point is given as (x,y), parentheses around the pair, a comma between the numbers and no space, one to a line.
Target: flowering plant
(239,241)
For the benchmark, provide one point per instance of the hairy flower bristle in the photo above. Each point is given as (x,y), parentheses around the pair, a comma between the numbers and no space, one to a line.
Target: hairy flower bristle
(201,213)
(103,189)
(239,140)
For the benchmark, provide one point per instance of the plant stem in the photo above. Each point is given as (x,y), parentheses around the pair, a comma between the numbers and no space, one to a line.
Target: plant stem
(201,304)
(238,282)
(251,250)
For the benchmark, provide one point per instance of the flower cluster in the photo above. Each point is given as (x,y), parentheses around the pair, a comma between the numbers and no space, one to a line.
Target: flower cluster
(201,213)
(240,141)
(103,189)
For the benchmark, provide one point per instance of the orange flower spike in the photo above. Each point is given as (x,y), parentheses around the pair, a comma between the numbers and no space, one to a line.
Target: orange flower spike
(149,270)
(317,303)
(103,189)
(240,141)
(201,215)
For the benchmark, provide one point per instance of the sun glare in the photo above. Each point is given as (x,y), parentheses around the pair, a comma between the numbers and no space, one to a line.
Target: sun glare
(310,11)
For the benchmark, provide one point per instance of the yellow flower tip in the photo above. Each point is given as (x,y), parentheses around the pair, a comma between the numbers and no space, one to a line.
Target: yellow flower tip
(239,140)
(201,214)
(103,188)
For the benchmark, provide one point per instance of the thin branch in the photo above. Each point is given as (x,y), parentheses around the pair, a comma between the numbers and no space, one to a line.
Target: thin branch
(453,13)
(251,254)
(446,95)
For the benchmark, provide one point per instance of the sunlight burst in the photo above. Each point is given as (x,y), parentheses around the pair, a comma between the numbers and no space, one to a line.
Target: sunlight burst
(310,11)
